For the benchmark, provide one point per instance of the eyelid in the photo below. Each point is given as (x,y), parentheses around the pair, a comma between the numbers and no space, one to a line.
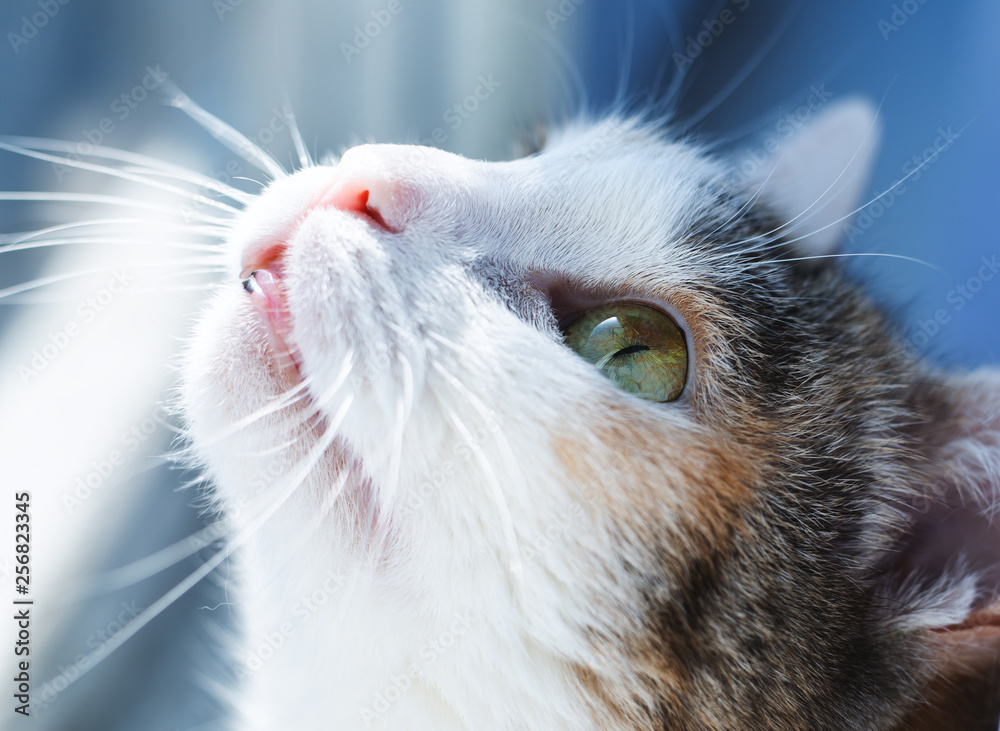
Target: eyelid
(565,320)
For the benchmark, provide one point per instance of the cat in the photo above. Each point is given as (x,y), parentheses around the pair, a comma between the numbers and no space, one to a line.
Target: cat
(602,437)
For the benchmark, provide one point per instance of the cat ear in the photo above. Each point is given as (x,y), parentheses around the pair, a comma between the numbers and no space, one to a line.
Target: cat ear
(964,693)
(961,534)
(815,177)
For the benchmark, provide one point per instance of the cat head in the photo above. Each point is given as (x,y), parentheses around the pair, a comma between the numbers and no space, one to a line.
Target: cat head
(627,394)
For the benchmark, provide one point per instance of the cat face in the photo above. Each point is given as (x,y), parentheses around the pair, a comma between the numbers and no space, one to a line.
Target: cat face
(607,400)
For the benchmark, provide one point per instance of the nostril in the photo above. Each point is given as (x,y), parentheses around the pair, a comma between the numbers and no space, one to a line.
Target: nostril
(370,210)
(349,195)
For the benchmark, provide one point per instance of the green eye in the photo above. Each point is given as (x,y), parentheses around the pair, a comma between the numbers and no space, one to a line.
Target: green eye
(638,347)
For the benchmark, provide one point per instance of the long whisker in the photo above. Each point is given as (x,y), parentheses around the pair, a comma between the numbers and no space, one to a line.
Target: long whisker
(870,253)
(745,208)
(239,196)
(516,563)
(227,135)
(76,240)
(91,199)
(674,34)
(160,605)
(777,241)
(873,200)
(305,159)
(755,60)
(116,173)
(568,64)
(288,398)
(45,281)
(7,296)
(25,236)
(791,225)
(404,405)
(145,163)
(689,73)
(148,566)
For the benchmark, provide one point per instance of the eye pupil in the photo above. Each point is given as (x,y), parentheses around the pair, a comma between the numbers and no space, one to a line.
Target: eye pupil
(607,335)
(631,349)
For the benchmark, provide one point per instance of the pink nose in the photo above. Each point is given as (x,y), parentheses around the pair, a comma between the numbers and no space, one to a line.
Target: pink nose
(381,183)
(369,180)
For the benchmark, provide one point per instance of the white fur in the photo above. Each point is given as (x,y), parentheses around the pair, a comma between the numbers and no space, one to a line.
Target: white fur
(448,389)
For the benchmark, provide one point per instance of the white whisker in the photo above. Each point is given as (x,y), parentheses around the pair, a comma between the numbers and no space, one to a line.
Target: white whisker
(145,163)
(115,173)
(305,159)
(516,564)
(227,135)
(91,199)
(871,253)
(114,223)
(748,68)
(161,604)
(79,240)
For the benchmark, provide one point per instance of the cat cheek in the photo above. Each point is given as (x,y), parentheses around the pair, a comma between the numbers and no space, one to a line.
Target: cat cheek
(698,483)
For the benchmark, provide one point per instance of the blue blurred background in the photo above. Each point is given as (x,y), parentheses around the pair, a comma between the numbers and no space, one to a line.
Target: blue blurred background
(934,68)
